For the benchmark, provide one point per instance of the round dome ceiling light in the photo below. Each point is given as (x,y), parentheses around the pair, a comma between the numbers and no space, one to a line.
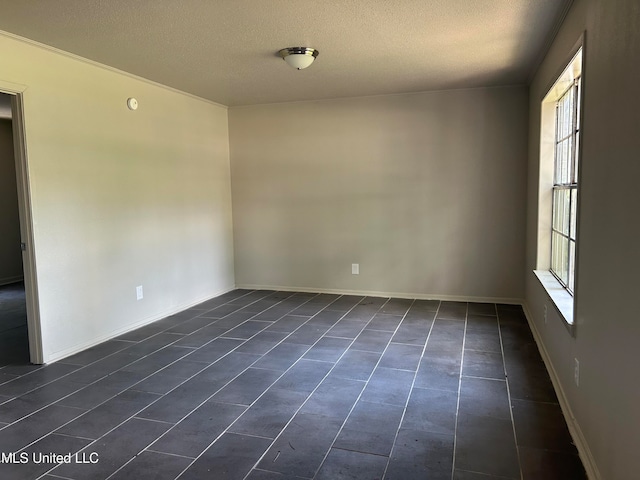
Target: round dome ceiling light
(298,57)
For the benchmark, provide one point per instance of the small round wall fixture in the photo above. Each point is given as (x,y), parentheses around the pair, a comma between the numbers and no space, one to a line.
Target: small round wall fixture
(298,57)
(132,103)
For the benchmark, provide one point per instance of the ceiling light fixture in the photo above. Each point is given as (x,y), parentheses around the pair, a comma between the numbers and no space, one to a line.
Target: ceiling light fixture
(298,57)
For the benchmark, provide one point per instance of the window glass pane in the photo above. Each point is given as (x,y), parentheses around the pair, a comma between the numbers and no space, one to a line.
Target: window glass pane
(557,175)
(570,161)
(564,260)
(566,121)
(556,214)
(574,211)
(578,105)
(575,159)
(555,252)
(565,193)
(572,266)
(565,162)
(561,210)
(561,257)
(571,111)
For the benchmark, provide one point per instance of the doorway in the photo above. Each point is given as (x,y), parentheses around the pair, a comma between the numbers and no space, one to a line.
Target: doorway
(20,338)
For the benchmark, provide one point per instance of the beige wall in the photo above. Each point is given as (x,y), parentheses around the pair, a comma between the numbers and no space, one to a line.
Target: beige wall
(119,198)
(605,404)
(10,255)
(425,191)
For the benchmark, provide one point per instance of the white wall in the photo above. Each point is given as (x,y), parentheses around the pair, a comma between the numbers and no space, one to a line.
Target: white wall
(119,198)
(606,404)
(425,191)
(10,254)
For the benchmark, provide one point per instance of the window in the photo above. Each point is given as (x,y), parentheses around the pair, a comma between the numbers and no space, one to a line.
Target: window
(565,186)
(560,134)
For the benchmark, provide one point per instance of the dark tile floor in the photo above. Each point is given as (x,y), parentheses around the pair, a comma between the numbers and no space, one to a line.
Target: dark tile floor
(14,340)
(263,385)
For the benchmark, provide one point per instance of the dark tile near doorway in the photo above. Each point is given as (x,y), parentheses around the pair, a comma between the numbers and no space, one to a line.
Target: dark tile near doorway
(108,415)
(29,429)
(37,454)
(114,449)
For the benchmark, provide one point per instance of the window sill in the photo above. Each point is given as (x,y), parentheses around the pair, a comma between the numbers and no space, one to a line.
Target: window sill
(561,299)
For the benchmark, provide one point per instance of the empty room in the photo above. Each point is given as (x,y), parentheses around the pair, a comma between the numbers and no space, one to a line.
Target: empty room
(319,240)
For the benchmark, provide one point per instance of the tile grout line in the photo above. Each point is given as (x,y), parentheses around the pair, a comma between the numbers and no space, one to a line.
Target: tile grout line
(143,379)
(81,367)
(226,430)
(318,386)
(325,308)
(366,383)
(413,382)
(506,378)
(186,380)
(455,430)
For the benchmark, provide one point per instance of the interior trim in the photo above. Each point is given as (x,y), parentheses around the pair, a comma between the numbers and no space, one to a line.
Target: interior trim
(584,452)
(367,293)
(79,348)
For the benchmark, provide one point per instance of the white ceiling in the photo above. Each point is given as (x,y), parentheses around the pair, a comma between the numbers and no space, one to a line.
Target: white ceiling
(225,50)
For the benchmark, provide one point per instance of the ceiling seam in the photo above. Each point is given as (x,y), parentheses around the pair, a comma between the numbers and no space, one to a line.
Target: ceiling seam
(553,33)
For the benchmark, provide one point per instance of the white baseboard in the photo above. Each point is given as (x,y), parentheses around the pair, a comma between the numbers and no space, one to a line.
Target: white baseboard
(79,348)
(574,428)
(367,293)
(10,280)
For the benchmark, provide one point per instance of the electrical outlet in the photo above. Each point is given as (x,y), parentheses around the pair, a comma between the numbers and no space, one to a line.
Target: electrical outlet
(545,313)
(576,372)
(355,269)
(139,293)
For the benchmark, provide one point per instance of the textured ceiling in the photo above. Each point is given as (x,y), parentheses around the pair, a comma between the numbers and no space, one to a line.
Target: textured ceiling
(225,50)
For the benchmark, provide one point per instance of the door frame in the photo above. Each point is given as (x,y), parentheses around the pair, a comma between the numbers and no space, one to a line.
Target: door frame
(34,325)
